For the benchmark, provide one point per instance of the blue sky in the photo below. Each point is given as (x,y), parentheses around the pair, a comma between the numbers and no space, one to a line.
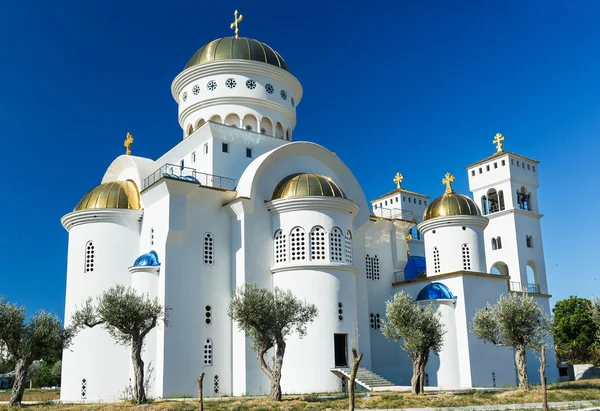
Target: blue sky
(415,87)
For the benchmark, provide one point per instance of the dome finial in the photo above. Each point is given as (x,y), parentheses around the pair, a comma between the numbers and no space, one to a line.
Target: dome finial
(128,142)
(398,179)
(498,139)
(234,25)
(448,179)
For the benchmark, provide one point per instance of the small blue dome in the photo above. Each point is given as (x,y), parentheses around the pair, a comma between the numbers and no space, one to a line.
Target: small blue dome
(147,260)
(435,291)
(415,266)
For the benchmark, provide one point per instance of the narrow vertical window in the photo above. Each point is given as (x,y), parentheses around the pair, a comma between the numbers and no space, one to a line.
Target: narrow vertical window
(208,248)
(529,241)
(249,152)
(501,199)
(83,389)
(375,321)
(193,156)
(280,247)
(89,257)
(335,244)
(208,315)
(225,147)
(375,268)
(182,165)
(205,148)
(317,243)
(208,355)
(499,242)
(494,244)
(152,236)
(340,311)
(436,260)
(297,244)
(216,384)
(369,267)
(466,255)
(348,247)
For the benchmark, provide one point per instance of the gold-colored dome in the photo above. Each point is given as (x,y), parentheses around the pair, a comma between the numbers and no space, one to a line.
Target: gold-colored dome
(116,194)
(451,203)
(243,48)
(306,184)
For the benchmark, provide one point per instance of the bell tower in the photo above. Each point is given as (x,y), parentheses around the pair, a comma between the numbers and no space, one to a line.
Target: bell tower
(505,186)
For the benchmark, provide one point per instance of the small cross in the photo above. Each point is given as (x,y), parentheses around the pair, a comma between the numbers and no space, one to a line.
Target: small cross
(498,139)
(128,142)
(408,239)
(234,25)
(448,179)
(398,179)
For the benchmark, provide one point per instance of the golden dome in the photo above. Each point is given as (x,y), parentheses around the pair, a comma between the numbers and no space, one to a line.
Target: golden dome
(451,203)
(243,48)
(116,194)
(306,184)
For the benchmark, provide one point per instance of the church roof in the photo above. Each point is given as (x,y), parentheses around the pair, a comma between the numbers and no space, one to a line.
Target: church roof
(435,291)
(415,266)
(115,194)
(149,259)
(399,190)
(451,203)
(231,48)
(500,154)
(307,184)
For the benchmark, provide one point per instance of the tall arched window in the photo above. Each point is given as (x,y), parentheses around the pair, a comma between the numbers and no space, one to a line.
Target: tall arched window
(524,199)
(297,244)
(494,244)
(369,267)
(208,354)
(208,248)
(89,257)
(335,244)
(492,197)
(466,256)
(436,260)
(484,208)
(317,243)
(501,199)
(280,251)
(375,268)
(499,242)
(348,247)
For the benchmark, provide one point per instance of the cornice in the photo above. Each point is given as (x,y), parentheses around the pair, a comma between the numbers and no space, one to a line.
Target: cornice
(502,213)
(454,274)
(145,269)
(101,215)
(455,220)
(233,66)
(312,203)
(279,268)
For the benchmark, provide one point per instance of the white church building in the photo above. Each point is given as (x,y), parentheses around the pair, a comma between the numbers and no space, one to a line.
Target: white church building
(238,201)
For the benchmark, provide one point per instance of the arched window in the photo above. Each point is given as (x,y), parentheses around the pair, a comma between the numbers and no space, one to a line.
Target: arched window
(524,199)
(287,134)
(267,126)
(208,352)
(436,260)
(250,123)
(499,242)
(501,199)
(348,247)
(279,130)
(297,244)
(89,257)
(494,244)
(484,208)
(335,244)
(317,243)
(466,256)
(499,268)
(492,197)
(233,120)
(216,118)
(533,285)
(280,247)
(208,248)
(200,123)
(375,267)
(190,130)
(369,267)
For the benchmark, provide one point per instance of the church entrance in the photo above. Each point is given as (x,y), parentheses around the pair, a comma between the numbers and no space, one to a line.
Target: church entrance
(340,346)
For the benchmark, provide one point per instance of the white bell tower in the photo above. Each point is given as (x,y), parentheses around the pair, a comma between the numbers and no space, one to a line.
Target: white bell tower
(504,186)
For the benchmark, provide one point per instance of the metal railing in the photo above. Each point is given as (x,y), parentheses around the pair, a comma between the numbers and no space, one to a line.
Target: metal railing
(530,288)
(189,174)
(393,213)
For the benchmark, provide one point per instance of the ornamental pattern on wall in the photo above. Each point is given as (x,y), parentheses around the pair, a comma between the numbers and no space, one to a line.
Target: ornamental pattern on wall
(230,83)
(196,89)
(251,84)
(212,85)
(269,88)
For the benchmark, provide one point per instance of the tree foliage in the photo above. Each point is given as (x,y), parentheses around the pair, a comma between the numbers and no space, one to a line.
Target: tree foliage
(516,321)
(25,341)
(574,330)
(128,317)
(268,318)
(419,331)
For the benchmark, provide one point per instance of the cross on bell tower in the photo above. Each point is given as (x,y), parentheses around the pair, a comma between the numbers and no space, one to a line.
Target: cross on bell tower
(498,139)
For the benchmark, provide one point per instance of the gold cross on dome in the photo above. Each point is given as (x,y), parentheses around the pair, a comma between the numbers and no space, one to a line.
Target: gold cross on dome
(448,179)
(398,179)
(128,142)
(498,139)
(234,25)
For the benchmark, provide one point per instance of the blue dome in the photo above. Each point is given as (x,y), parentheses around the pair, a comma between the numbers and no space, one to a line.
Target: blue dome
(435,291)
(147,260)
(415,266)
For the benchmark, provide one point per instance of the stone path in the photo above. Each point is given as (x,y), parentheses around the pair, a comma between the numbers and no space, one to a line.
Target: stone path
(571,405)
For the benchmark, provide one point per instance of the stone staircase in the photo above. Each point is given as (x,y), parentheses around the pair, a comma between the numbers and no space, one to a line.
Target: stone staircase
(365,378)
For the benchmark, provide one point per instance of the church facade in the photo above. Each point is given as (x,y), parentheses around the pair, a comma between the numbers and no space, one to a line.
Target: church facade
(237,201)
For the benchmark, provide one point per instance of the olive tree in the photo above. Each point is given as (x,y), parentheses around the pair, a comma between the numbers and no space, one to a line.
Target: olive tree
(595,309)
(128,317)
(515,321)
(269,317)
(28,340)
(419,330)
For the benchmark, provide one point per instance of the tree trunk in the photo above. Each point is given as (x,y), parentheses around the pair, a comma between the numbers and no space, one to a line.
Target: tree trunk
(200,394)
(275,393)
(139,392)
(422,372)
(415,381)
(356,361)
(20,381)
(522,368)
(543,378)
